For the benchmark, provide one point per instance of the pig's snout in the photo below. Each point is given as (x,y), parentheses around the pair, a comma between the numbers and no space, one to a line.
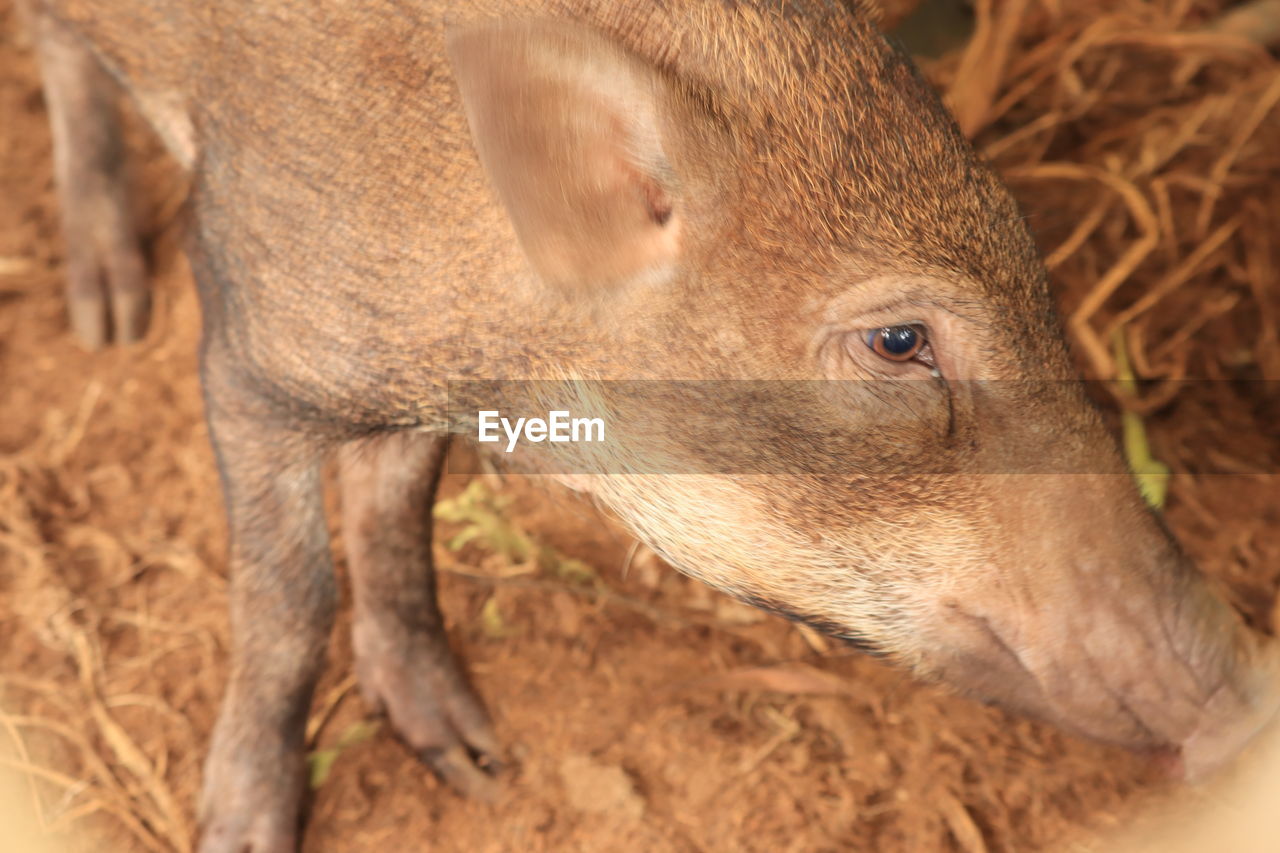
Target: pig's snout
(1088,616)
(1235,714)
(1180,678)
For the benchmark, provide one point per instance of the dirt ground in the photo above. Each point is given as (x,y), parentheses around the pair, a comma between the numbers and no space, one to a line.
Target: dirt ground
(642,711)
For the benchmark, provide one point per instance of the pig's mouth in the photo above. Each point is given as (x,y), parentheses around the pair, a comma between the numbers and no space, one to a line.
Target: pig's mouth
(848,636)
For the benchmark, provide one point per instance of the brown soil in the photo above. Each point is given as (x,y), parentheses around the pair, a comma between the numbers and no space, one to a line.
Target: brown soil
(642,711)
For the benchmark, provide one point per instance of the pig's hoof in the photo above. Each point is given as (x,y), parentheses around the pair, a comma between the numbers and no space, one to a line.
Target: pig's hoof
(130,313)
(418,683)
(107,298)
(88,316)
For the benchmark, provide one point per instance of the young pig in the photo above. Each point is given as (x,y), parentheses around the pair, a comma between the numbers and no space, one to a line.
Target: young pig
(391,195)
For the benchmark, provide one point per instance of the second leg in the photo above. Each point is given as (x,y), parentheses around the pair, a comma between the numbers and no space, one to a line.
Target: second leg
(403,659)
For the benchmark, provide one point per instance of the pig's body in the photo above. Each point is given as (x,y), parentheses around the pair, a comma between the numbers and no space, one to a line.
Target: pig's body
(700,190)
(396,219)
(367,272)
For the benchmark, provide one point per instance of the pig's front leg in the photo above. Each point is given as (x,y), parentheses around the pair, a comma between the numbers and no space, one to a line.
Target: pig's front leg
(403,659)
(282,603)
(107,294)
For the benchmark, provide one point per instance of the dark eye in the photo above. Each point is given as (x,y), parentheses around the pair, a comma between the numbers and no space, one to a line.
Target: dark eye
(897,343)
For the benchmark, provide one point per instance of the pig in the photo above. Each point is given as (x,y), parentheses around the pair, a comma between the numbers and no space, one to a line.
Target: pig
(392,196)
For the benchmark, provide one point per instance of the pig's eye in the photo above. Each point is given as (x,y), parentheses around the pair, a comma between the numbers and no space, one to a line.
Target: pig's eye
(899,343)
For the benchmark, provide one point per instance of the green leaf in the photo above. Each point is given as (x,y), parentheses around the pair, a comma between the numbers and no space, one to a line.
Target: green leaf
(567,568)
(320,762)
(1151,474)
(491,621)
(480,512)
(484,524)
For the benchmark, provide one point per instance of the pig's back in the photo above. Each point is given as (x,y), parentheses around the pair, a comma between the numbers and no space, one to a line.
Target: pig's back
(349,245)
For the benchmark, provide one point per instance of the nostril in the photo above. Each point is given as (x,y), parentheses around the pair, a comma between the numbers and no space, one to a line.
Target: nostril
(1168,761)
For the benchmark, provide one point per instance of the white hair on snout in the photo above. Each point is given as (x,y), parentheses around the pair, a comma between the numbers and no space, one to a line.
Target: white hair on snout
(878,579)
(870,573)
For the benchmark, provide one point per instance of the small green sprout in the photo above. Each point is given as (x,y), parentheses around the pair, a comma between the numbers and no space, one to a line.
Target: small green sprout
(1151,474)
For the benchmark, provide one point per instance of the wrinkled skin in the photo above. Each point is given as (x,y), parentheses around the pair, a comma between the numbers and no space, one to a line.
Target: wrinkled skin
(701,190)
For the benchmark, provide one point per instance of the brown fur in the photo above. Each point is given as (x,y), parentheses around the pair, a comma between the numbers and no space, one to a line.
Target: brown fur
(695,189)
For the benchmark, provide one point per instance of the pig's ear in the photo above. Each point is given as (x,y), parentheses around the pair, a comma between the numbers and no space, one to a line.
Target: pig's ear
(568,130)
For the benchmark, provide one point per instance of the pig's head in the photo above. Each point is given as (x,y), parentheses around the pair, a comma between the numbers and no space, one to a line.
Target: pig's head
(741,194)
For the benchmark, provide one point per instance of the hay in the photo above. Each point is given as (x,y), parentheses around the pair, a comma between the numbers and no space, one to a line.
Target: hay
(1165,184)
